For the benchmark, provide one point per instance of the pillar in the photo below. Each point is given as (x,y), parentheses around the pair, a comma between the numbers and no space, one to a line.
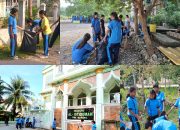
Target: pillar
(22,12)
(88,99)
(55,12)
(65,105)
(43,6)
(53,103)
(99,97)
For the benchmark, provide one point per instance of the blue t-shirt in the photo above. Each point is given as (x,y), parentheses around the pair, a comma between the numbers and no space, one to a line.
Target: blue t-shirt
(122,119)
(177,104)
(96,24)
(132,105)
(77,54)
(152,106)
(54,124)
(116,32)
(164,125)
(161,98)
(94,127)
(12,22)
(35,24)
(18,120)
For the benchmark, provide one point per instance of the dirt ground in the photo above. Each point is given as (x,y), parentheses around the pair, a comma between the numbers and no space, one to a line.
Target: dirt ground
(70,33)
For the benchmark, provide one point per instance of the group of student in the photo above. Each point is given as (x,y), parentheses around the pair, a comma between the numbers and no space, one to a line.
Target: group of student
(22,122)
(155,109)
(112,38)
(82,19)
(38,26)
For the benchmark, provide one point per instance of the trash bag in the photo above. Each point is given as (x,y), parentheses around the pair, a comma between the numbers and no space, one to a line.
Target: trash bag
(101,53)
(29,42)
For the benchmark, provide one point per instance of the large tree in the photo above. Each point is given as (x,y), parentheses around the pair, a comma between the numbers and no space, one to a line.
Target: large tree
(17,94)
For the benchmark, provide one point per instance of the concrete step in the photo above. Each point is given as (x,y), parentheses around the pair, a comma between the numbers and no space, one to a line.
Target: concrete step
(165,40)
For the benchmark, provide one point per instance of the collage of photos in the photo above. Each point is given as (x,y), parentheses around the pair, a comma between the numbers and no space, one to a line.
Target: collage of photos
(89,64)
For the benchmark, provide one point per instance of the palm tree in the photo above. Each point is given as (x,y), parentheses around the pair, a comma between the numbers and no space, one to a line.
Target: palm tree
(1,90)
(17,94)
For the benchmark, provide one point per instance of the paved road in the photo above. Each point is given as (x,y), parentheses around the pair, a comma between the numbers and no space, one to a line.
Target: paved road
(12,127)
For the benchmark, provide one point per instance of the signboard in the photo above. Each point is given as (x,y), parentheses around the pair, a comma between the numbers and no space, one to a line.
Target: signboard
(82,113)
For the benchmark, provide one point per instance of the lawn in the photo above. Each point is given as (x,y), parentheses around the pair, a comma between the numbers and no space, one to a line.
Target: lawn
(5,51)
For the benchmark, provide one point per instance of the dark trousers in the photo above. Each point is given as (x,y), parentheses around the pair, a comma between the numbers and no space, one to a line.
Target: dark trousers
(113,53)
(135,123)
(13,45)
(122,128)
(18,125)
(150,120)
(96,37)
(55,35)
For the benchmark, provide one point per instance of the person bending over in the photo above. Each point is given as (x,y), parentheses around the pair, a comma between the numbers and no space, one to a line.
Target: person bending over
(81,50)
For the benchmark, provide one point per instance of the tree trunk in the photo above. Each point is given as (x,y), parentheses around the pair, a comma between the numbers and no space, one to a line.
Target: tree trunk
(143,18)
(30,8)
(135,18)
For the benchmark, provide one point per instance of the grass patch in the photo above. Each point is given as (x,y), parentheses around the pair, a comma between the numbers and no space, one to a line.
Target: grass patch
(5,51)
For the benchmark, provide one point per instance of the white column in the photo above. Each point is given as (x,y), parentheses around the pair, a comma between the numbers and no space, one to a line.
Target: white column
(53,103)
(65,105)
(99,97)
(88,99)
(22,12)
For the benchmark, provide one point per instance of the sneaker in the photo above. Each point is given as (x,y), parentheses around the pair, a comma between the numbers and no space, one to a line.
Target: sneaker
(44,57)
(14,57)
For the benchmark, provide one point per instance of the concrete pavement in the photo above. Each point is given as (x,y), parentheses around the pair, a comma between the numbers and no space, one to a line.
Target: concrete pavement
(13,127)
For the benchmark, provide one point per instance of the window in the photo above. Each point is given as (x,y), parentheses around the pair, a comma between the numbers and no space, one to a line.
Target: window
(115,95)
(82,99)
(93,98)
(70,101)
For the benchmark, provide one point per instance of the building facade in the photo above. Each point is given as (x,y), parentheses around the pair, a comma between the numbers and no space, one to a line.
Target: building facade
(73,93)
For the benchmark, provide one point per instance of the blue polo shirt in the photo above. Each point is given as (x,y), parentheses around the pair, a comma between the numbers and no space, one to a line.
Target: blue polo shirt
(161,98)
(96,24)
(12,22)
(177,104)
(35,24)
(54,124)
(116,32)
(18,120)
(164,125)
(77,54)
(132,105)
(94,127)
(121,118)
(152,106)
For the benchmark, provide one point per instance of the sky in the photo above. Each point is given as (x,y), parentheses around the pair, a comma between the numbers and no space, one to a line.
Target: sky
(64,4)
(30,73)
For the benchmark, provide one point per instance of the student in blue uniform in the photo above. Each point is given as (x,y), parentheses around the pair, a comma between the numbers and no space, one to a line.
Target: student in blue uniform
(159,96)
(18,123)
(102,26)
(81,50)
(96,28)
(152,108)
(54,124)
(12,29)
(161,123)
(93,125)
(33,23)
(114,40)
(132,106)
(176,105)
(33,123)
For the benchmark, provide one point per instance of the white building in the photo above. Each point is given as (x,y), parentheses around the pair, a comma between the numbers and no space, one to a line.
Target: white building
(78,92)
